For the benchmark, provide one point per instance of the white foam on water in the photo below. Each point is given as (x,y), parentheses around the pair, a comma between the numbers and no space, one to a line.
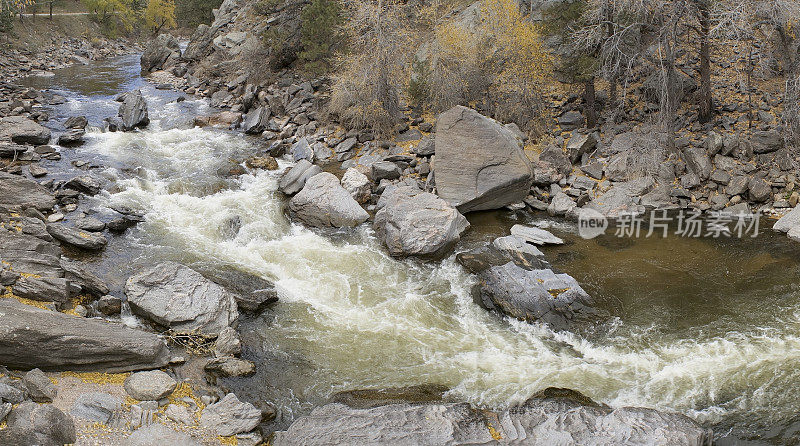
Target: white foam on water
(365,319)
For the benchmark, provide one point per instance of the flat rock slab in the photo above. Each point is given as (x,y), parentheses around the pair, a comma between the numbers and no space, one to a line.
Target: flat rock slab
(175,296)
(539,421)
(95,406)
(160,435)
(19,191)
(22,130)
(31,338)
(536,236)
(75,237)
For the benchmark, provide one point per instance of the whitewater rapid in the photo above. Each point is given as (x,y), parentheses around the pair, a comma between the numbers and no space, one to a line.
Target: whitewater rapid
(363,319)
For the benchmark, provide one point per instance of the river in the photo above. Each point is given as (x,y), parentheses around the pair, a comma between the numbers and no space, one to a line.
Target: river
(708,327)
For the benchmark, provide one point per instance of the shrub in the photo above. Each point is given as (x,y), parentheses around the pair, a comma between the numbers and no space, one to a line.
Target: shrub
(319,23)
(502,62)
(366,92)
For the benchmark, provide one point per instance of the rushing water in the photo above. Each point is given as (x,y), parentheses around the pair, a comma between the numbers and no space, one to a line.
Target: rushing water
(706,327)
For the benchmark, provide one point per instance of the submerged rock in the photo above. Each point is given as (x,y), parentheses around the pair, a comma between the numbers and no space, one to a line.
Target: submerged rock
(555,416)
(534,295)
(177,297)
(323,202)
(31,337)
(415,223)
(480,163)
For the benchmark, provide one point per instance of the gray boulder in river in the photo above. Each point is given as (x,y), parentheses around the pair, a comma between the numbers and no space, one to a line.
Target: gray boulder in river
(323,202)
(49,340)
(415,223)
(480,164)
(555,416)
(177,297)
(534,295)
(133,111)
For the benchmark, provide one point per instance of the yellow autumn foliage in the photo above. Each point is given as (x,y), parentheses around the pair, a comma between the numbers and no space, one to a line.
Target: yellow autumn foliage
(502,62)
(160,14)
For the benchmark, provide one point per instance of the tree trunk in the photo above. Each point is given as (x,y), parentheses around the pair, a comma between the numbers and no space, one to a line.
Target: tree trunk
(704,114)
(589,97)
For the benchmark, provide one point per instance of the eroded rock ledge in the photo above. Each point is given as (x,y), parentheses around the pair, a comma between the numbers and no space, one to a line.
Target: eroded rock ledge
(554,416)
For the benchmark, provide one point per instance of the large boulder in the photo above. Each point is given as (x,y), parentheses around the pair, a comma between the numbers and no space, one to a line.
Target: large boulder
(31,424)
(256,120)
(133,111)
(20,191)
(22,130)
(323,202)
(413,222)
(554,416)
(161,53)
(480,163)
(200,43)
(177,297)
(357,184)
(31,338)
(534,295)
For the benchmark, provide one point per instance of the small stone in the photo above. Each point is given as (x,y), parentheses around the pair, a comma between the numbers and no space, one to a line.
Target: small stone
(52,218)
(95,406)
(179,414)
(37,171)
(40,388)
(109,305)
(151,385)
(228,366)
(230,416)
